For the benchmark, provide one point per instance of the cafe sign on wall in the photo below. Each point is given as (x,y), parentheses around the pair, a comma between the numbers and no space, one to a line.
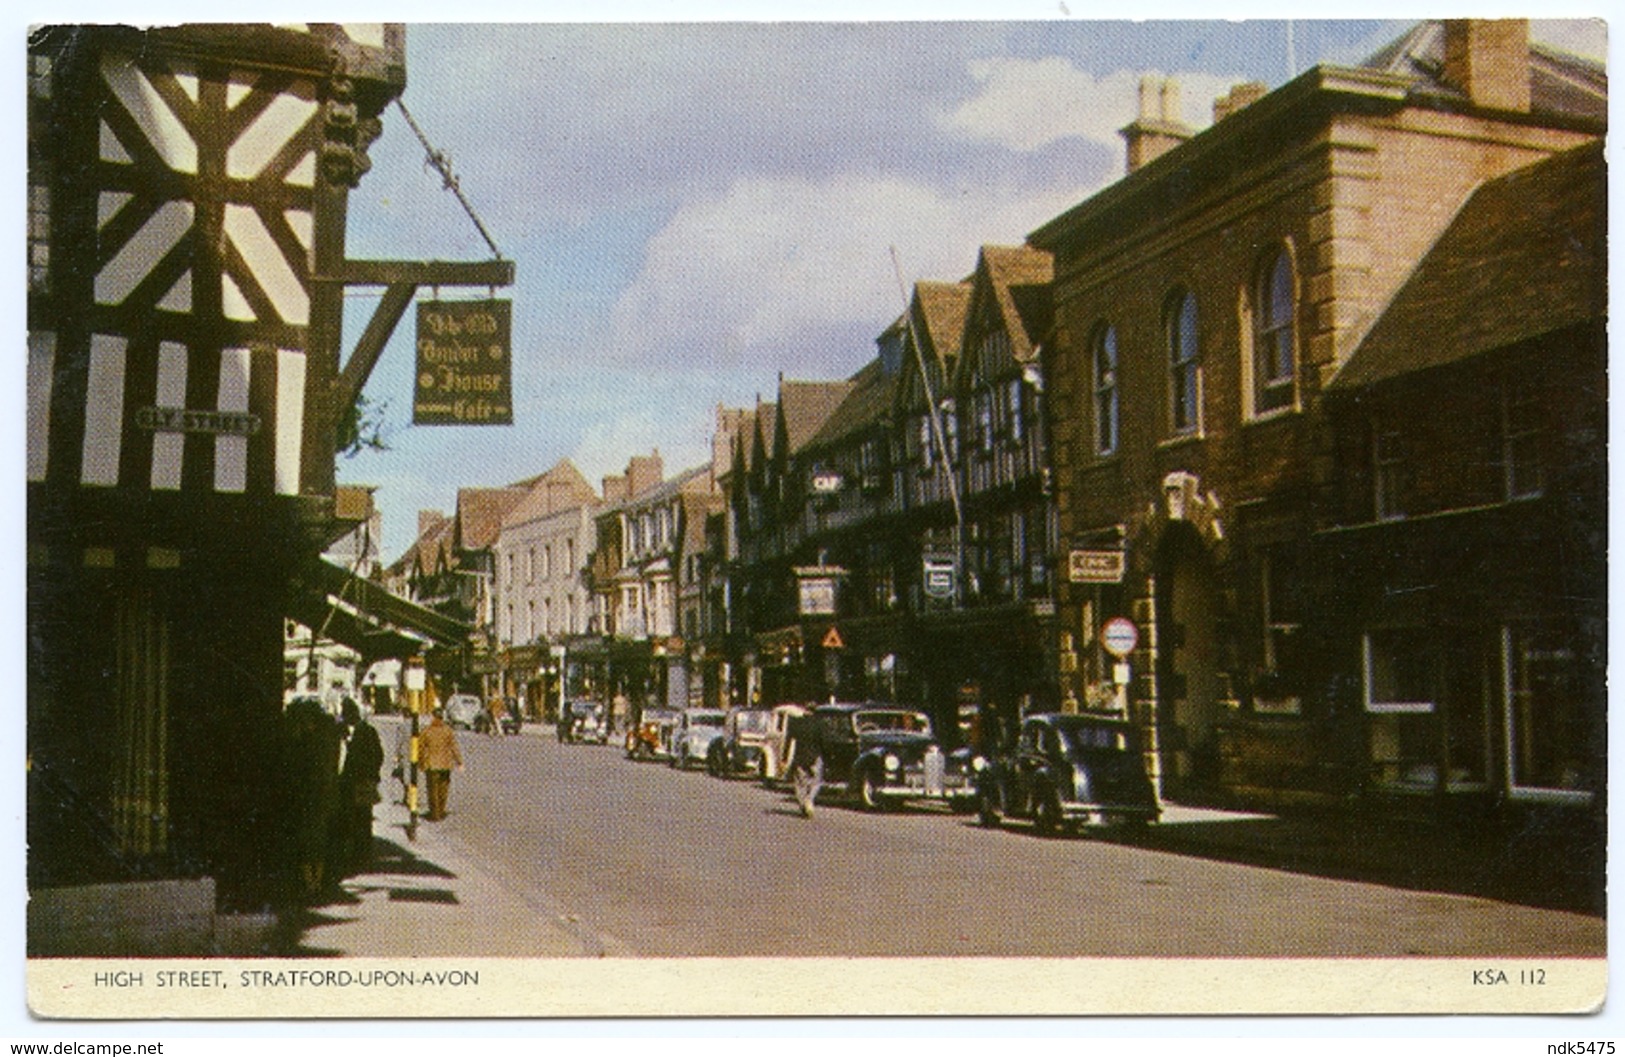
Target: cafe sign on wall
(464,364)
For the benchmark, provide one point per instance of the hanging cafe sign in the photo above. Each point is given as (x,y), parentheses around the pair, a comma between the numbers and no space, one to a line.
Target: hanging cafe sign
(464,364)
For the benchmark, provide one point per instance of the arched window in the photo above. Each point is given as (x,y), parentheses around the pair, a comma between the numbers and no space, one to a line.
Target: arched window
(1184,387)
(1275,338)
(1104,348)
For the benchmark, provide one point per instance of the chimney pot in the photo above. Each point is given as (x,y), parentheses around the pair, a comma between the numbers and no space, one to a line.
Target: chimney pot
(1170,101)
(1148,97)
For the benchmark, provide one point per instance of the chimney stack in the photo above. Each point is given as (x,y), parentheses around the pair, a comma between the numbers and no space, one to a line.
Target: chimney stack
(1158,129)
(1239,96)
(1489,60)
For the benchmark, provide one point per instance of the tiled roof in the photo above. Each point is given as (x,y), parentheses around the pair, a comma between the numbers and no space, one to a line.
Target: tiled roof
(1526,255)
(433,543)
(480,512)
(1559,83)
(759,417)
(807,406)
(560,488)
(1021,278)
(697,479)
(943,307)
(868,402)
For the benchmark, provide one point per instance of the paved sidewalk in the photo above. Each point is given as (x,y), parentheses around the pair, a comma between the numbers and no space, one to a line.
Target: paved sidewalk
(425,898)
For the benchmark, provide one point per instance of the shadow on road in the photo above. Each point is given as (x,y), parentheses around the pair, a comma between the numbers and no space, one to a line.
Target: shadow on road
(1556,863)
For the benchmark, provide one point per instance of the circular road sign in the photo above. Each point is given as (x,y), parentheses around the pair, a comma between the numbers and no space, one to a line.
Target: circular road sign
(1119,636)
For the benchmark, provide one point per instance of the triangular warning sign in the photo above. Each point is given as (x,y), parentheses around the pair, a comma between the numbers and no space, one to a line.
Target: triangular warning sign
(832,640)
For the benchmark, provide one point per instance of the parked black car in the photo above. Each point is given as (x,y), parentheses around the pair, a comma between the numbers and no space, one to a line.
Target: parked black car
(883,754)
(1069,770)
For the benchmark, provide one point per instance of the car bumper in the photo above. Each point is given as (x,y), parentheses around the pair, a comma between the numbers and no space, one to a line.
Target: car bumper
(916,787)
(1105,814)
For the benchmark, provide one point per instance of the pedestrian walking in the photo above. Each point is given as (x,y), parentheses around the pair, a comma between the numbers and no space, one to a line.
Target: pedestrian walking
(439,754)
(358,791)
(806,760)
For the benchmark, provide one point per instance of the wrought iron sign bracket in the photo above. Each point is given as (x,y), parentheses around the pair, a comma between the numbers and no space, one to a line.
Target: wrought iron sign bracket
(401,280)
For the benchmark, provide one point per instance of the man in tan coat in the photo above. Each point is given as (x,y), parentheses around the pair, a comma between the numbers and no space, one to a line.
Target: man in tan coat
(438,754)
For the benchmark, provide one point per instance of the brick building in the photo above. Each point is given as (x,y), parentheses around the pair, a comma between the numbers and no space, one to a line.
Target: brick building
(1469,488)
(1204,304)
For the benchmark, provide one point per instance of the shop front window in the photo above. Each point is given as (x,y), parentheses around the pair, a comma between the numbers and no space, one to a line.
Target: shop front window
(1426,692)
(1549,750)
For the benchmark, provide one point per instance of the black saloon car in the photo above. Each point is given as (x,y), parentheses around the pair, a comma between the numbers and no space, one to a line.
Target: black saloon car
(882,754)
(1069,770)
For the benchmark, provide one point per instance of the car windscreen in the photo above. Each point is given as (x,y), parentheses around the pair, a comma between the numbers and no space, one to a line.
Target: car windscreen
(890,719)
(706,719)
(753,722)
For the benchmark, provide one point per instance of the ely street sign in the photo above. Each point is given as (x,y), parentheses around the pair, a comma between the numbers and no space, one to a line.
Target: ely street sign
(464,364)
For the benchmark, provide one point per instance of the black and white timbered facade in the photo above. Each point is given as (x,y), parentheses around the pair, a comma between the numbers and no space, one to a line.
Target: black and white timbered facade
(187,204)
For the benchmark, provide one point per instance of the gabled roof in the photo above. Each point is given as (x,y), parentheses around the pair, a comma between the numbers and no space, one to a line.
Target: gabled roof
(432,547)
(941,310)
(1559,83)
(1014,282)
(936,324)
(560,488)
(480,512)
(806,406)
(1526,255)
(868,402)
(697,479)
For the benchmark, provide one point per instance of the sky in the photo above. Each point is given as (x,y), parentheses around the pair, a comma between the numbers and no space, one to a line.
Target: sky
(694,209)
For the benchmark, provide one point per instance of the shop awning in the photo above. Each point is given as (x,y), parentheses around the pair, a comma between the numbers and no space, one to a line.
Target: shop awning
(366,617)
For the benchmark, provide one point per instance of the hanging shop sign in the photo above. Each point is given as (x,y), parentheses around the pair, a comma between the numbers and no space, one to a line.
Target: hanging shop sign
(940,574)
(464,364)
(817,596)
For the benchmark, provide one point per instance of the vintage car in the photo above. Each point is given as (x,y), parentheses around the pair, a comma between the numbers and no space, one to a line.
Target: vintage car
(883,755)
(691,736)
(586,723)
(465,710)
(742,747)
(649,736)
(775,747)
(1068,771)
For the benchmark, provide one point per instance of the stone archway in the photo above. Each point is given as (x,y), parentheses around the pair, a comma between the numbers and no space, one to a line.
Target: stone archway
(1180,556)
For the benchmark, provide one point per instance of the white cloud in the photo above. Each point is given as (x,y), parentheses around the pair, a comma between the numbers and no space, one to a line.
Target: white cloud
(774,260)
(1585,37)
(1027,104)
(683,440)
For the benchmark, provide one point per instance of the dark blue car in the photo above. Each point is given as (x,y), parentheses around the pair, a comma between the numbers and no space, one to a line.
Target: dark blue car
(1069,770)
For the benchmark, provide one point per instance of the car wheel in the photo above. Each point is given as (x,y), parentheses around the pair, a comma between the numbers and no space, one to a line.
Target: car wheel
(1047,815)
(987,811)
(868,792)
